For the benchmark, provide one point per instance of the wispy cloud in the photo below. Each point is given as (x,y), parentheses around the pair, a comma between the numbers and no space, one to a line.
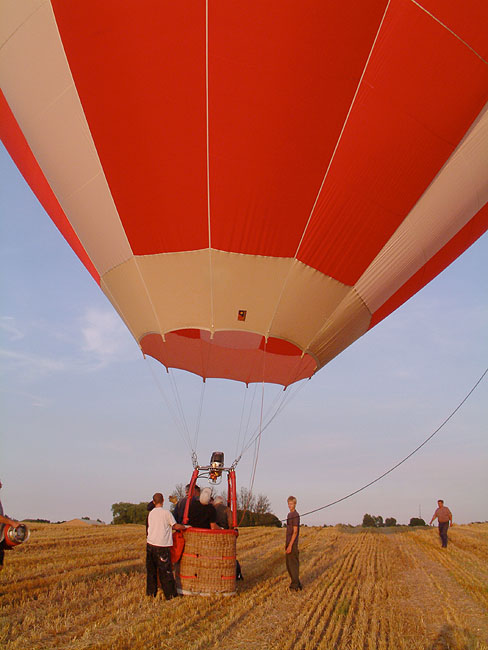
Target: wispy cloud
(105,338)
(33,362)
(97,340)
(9,326)
(35,400)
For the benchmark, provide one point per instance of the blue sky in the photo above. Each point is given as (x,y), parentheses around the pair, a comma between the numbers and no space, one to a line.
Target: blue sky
(85,424)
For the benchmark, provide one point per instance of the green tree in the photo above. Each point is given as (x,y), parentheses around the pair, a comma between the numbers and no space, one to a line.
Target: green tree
(257,519)
(390,521)
(369,521)
(416,521)
(129,513)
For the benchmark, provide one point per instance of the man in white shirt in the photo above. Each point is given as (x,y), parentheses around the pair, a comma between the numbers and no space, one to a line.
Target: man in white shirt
(160,526)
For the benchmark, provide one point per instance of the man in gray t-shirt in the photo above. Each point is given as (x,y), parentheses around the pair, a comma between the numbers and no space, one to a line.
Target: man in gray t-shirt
(291,545)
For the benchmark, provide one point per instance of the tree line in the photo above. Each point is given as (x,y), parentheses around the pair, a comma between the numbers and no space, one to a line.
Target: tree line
(376,521)
(252,510)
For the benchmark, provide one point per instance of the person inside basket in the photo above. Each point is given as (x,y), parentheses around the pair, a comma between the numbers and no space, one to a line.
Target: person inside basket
(179,510)
(160,526)
(224,520)
(224,513)
(202,513)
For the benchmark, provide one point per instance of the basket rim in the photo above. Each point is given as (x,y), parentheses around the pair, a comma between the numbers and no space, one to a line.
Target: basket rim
(212,531)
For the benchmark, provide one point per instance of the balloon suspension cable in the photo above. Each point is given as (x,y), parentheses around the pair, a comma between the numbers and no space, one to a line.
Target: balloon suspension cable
(178,415)
(351,494)
(248,418)
(179,404)
(256,456)
(178,421)
(287,396)
(199,418)
(241,421)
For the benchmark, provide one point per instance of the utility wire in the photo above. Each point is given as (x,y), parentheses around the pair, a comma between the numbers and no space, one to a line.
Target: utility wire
(333,503)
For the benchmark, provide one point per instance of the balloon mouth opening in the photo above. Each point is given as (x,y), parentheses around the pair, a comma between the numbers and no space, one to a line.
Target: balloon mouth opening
(237,355)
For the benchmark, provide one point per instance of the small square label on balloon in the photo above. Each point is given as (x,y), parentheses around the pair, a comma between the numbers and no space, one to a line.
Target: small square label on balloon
(241,314)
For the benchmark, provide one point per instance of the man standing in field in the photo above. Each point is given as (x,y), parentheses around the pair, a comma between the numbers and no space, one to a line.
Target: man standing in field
(443,516)
(291,545)
(4,520)
(160,526)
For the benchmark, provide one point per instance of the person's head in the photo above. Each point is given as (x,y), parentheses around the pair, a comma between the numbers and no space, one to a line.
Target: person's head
(187,489)
(440,502)
(196,491)
(292,503)
(158,499)
(218,501)
(205,496)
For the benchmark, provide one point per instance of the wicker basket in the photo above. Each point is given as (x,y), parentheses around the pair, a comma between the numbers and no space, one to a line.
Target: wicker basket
(208,563)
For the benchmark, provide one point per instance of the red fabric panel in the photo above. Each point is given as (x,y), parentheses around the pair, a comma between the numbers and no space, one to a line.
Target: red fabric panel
(278,346)
(139,68)
(282,75)
(421,92)
(453,249)
(19,150)
(189,333)
(209,358)
(468,19)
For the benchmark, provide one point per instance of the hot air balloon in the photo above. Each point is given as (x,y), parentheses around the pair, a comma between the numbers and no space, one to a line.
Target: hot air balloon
(253,185)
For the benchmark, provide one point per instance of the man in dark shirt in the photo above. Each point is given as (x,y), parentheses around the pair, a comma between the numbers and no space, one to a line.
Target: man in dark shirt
(180,506)
(179,510)
(202,514)
(291,545)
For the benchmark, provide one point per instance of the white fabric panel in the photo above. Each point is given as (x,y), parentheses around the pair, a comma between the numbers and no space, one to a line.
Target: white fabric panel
(308,300)
(13,13)
(249,282)
(457,193)
(347,323)
(38,86)
(170,291)
(161,293)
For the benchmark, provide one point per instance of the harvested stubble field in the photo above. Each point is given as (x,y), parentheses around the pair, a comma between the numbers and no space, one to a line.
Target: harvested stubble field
(84,587)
